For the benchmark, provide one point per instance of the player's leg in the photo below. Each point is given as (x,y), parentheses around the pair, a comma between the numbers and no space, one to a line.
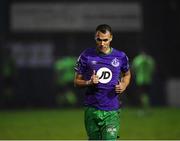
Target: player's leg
(91,126)
(111,128)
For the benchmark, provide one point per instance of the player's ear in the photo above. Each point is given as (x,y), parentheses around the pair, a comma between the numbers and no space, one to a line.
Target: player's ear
(111,38)
(95,35)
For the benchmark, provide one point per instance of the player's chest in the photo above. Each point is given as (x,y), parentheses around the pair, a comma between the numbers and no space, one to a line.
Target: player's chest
(105,64)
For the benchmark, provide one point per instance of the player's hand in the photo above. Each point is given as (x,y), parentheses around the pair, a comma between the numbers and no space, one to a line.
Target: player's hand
(94,78)
(120,87)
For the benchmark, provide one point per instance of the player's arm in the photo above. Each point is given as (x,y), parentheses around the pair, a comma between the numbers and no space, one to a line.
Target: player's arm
(124,82)
(80,82)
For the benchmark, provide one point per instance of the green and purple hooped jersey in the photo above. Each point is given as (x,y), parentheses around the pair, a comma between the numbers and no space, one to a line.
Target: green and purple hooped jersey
(109,68)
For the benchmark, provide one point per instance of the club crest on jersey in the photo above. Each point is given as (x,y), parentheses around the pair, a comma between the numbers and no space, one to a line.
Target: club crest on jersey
(115,62)
(105,75)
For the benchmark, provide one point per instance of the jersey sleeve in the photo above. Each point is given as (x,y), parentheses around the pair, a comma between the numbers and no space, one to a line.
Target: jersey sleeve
(81,64)
(125,63)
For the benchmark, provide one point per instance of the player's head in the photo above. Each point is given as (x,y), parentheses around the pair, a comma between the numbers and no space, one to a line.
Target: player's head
(103,37)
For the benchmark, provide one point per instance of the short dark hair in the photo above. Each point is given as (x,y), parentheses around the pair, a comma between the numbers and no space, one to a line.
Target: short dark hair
(103,28)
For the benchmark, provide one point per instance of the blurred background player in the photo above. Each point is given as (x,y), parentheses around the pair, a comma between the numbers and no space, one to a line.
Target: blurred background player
(143,66)
(8,76)
(64,76)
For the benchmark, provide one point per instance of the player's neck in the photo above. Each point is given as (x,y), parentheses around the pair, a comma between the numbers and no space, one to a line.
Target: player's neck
(106,52)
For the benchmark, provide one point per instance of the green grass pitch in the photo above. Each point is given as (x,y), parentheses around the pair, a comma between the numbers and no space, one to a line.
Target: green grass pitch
(67,124)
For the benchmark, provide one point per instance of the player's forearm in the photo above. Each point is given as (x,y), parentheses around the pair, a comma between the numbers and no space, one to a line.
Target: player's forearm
(126,78)
(81,83)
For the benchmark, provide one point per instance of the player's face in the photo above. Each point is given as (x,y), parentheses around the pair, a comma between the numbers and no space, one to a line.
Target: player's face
(103,41)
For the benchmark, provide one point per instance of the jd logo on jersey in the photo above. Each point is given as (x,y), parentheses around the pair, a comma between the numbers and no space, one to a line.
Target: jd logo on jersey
(105,75)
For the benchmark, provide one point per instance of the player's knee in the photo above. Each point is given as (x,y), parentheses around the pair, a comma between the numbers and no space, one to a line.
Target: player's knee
(110,133)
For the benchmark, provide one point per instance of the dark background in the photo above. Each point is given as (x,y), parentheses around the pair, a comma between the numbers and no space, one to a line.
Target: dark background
(34,87)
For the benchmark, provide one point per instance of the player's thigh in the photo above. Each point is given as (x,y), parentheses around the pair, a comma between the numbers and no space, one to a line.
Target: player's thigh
(92,129)
(112,127)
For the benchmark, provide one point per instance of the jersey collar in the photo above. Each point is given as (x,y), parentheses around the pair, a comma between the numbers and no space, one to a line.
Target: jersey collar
(101,53)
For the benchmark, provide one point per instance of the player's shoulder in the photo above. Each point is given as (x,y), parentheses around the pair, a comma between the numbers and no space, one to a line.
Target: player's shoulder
(88,51)
(119,53)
